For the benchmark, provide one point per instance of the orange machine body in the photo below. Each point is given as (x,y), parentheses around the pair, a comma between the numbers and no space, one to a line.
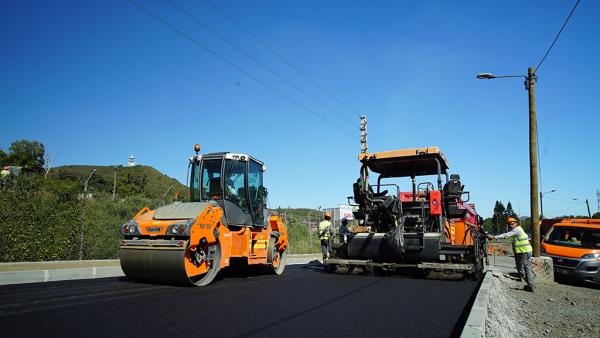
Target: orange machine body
(226,219)
(247,242)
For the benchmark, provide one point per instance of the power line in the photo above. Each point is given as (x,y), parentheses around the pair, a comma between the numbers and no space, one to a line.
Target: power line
(222,58)
(565,209)
(557,200)
(241,50)
(556,38)
(280,57)
(535,71)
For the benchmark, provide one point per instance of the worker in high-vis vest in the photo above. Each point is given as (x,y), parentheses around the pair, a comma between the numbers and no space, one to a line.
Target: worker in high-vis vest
(522,250)
(324,233)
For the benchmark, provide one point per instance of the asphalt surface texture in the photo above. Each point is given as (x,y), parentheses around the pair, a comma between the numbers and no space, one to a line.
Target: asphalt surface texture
(304,301)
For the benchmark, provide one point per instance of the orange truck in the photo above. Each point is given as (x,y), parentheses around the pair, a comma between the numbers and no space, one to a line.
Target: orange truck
(574,246)
(226,221)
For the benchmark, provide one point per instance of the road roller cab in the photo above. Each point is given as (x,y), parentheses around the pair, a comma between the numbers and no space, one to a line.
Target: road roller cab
(225,219)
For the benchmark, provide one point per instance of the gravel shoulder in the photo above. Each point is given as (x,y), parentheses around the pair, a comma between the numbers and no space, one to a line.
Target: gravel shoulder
(557,310)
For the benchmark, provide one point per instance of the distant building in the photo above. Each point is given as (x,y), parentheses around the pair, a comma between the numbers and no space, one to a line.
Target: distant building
(339,213)
(131,161)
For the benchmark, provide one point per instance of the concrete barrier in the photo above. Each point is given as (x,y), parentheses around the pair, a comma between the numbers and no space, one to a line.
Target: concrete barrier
(543,269)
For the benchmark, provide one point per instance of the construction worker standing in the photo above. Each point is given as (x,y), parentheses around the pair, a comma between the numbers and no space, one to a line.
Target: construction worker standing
(4,175)
(5,172)
(343,229)
(522,250)
(324,233)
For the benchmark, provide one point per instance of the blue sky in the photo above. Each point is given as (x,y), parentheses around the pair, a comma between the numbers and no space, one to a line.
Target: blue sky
(96,81)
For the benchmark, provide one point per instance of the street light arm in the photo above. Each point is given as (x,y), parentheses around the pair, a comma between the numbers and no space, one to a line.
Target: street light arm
(489,76)
(504,76)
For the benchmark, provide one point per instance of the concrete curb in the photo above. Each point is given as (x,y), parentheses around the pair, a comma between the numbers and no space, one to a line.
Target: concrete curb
(36,276)
(58,274)
(475,325)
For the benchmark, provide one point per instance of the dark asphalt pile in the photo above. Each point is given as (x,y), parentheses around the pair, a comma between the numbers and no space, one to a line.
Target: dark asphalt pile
(302,302)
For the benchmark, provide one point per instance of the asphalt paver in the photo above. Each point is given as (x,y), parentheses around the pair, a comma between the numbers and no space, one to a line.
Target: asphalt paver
(304,301)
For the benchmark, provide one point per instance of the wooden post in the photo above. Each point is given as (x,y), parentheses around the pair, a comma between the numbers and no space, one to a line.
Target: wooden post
(533,163)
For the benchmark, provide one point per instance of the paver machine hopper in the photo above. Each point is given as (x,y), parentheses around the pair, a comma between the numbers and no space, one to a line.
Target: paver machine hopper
(226,220)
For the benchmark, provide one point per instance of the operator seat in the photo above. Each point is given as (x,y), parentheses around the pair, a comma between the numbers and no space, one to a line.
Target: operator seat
(453,190)
(214,188)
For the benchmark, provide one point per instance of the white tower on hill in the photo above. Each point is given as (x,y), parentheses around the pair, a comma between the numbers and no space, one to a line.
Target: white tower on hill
(131,161)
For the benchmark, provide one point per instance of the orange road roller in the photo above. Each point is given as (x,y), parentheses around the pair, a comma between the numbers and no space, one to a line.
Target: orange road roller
(225,222)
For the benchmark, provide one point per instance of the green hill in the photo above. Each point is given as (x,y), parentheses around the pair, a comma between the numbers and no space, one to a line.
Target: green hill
(130,180)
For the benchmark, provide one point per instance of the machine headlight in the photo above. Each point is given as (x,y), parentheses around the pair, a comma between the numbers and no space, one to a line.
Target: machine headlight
(130,228)
(180,228)
(591,256)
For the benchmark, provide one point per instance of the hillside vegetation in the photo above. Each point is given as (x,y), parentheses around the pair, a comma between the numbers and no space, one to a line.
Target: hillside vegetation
(144,180)
(46,216)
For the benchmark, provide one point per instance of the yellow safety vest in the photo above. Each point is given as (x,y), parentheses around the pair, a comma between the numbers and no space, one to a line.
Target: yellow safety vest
(324,227)
(521,241)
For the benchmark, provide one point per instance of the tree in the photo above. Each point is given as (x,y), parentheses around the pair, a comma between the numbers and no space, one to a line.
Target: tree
(510,212)
(596,215)
(499,217)
(27,154)
(488,225)
(2,157)
(526,224)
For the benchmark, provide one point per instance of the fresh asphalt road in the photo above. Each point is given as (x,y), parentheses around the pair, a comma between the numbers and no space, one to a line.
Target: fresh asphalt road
(303,301)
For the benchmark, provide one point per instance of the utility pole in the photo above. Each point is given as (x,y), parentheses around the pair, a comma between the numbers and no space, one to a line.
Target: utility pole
(533,162)
(83,218)
(166,193)
(542,202)
(114,182)
(530,79)
(588,207)
(310,230)
(85,186)
(541,205)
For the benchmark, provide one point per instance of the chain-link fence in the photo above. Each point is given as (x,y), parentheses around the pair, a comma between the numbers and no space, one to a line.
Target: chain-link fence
(49,223)
(100,222)
(42,225)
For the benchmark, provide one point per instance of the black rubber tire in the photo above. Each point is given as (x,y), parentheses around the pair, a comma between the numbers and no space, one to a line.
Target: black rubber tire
(277,270)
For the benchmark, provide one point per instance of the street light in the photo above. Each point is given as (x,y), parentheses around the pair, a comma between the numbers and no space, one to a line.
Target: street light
(489,76)
(587,204)
(542,202)
(530,80)
(486,76)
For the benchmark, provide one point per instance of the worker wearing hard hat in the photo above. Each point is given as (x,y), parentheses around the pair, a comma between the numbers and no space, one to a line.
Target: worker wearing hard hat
(4,175)
(522,250)
(343,229)
(324,233)
(5,171)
